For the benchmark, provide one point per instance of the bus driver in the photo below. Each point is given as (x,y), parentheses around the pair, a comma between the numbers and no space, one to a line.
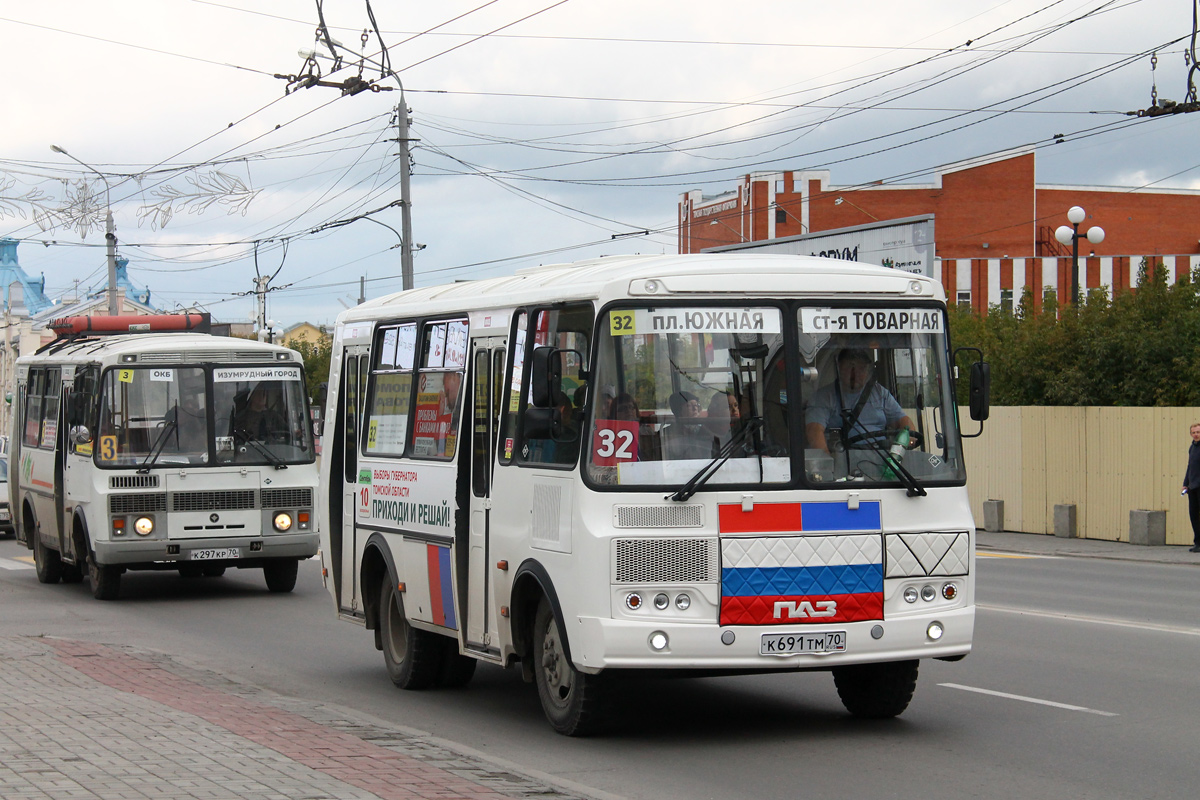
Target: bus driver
(834,405)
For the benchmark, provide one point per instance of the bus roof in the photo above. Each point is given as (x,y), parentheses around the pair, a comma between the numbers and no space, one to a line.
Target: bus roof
(676,276)
(181,347)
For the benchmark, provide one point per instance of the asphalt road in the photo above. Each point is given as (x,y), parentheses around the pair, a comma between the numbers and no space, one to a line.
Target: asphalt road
(1083,684)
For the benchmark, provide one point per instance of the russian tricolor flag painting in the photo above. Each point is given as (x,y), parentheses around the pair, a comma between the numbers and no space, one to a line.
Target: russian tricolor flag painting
(441,594)
(819,577)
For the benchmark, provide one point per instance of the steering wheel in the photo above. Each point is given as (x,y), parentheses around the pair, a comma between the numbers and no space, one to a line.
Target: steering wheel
(915,439)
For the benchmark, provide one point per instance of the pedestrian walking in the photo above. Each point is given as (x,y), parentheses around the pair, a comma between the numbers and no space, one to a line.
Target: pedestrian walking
(1191,485)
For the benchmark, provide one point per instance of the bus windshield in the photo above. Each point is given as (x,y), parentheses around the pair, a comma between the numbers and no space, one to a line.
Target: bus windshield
(863,395)
(164,416)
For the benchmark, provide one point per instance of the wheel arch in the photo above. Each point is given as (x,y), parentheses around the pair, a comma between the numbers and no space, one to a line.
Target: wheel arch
(29,523)
(530,584)
(377,566)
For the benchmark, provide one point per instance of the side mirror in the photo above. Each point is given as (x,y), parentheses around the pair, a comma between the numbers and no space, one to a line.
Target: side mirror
(545,379)
(80,435)
(543,423)
(981,390)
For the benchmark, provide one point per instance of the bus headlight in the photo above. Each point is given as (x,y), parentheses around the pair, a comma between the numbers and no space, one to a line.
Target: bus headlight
(283,521)
(935,631)
(661,601)
(144,526)
(910,594)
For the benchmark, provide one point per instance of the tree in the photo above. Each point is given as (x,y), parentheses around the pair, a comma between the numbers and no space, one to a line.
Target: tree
(317,357)
(1139,348)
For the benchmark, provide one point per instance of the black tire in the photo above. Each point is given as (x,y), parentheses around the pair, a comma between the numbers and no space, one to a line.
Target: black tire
(280,574)
(48,563)
(876,691)
(413,657)
(572,700)
(72,573)
(190,569)
(104,578)
(457,669)
(213,570)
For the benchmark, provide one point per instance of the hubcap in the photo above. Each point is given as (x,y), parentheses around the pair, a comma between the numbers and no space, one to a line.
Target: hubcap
(555,669)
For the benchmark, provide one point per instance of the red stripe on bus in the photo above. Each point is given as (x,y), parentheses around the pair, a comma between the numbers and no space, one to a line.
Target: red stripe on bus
(763,518)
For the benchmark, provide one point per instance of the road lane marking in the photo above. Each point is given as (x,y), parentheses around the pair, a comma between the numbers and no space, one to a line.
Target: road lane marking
(1008,555)
(1120,623)
(1024,699)
(16,563)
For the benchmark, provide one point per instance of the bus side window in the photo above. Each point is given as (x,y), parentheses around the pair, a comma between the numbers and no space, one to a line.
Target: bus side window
(568,330)
(81,410)
(512,398)
(33,407)
(350,376)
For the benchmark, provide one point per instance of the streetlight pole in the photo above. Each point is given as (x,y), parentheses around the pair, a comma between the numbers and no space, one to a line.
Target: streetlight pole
(1070,235)
(110,234)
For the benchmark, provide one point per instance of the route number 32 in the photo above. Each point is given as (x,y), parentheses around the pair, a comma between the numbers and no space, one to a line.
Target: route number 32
(614,442)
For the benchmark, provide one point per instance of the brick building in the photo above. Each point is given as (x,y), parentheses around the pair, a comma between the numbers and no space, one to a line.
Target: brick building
(994,224)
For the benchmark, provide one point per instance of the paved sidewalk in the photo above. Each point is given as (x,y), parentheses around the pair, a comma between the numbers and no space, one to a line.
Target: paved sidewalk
(82,720)
(1045,545)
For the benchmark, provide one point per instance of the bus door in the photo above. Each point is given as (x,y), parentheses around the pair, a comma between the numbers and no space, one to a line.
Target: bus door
(487,377)
(354,383)
(81,392)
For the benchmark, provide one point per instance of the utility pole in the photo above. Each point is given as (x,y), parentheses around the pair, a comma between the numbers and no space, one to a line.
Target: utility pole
(406,248)
(362,289)
(260,289)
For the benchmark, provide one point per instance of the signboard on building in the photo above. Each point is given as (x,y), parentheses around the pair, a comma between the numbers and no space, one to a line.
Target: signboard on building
(905,244)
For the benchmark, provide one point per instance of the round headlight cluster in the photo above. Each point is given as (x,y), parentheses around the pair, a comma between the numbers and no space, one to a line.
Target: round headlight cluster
(144,526)
(282,521)
(661,601)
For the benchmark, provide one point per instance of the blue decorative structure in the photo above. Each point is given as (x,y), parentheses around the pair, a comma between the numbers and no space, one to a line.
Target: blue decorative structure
(22,294)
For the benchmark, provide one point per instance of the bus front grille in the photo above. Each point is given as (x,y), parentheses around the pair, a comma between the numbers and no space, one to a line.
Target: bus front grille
(287,498)
(133,482)
(666,561)
(140,503)
(674,516)
(213,501)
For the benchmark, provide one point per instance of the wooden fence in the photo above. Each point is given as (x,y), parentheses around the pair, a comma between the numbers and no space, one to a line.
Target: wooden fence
(1107,461)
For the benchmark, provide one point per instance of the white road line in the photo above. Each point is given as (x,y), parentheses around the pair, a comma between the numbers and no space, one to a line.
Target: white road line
(8,563)
(1120,623)
(1024,699)
(993,554)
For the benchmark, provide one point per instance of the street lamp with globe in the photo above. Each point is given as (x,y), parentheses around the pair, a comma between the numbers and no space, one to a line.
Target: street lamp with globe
(1070,235)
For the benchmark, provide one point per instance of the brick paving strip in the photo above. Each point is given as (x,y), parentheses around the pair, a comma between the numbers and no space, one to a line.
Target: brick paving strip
(84,720)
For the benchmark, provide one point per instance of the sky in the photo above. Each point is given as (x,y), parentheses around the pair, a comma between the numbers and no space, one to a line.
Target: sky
(546,131)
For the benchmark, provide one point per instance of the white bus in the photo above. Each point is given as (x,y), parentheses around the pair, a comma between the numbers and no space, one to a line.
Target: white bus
(622,464)
(164,449)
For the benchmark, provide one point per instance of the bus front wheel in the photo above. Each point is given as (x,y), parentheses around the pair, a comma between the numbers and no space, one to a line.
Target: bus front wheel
(104,578)
(280,574)
(570,699)
(413,657)
(48,562)
(876,691)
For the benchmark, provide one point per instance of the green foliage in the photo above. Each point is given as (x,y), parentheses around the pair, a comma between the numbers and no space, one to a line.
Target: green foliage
(1141,348)
(316,361)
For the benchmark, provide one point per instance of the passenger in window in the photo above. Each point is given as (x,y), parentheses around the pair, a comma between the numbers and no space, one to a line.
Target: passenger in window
(686,437)
(724,416)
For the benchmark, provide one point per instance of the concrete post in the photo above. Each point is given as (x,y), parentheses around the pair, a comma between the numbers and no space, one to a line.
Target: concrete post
(1148,527)
(1064,521)
(993,515)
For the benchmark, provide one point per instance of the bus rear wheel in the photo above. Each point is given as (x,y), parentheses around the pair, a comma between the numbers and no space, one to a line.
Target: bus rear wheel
(571,699)
(876,691)
(104,578)
(280,574)
(48,562)
(413,657)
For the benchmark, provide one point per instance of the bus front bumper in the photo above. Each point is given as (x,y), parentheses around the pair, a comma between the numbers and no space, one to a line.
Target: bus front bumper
(229,550)
(605,643)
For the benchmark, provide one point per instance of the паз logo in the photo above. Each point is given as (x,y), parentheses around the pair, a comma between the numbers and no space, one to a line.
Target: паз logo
(803,609)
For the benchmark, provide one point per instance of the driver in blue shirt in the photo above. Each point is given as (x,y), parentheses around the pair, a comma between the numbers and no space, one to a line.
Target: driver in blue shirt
(832,406)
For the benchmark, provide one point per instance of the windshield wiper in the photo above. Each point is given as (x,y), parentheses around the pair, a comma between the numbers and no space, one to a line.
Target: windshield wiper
(914,487)
(275,460)
(152,456)
(708,470)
